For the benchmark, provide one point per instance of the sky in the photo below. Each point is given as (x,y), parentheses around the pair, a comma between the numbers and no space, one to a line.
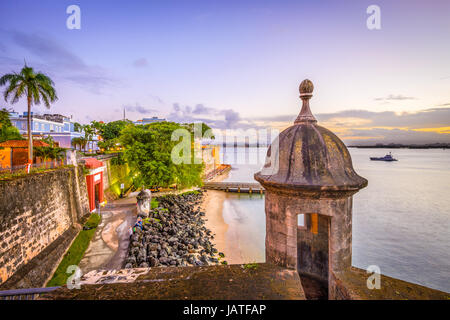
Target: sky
(237,64)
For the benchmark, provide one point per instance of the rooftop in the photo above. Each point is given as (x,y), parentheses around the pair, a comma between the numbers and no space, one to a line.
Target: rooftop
(22,144)
(307,156)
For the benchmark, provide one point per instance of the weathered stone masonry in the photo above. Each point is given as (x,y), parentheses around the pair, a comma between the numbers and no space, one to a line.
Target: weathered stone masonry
(36,210)
(309,171)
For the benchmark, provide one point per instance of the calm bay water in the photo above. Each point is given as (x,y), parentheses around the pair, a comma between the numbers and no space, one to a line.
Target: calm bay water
(401,221)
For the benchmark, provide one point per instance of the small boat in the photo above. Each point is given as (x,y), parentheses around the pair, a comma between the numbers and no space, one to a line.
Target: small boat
(387,157)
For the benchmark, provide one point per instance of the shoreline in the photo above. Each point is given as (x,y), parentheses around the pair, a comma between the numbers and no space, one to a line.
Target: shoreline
(212,205)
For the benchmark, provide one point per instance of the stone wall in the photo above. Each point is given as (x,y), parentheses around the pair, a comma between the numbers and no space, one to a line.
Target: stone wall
(352,285)
(35,210)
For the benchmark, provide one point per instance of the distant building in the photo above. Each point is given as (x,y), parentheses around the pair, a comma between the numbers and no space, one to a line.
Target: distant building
(59,127)
(149,120)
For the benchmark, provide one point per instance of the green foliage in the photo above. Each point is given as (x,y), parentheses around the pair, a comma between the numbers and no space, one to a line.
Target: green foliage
(36,87)
(6,176)
(119,160)
(154,203)
(79,141)
(93,221)
(118,174)
(85,170)
(194,192)
(7,130)
(75,252)
(111,130)
(51,152)
(88,134)
(205,129)
(148,151)
(77,127)
(251,266)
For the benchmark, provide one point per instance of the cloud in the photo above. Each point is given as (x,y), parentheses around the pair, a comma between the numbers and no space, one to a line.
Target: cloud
(140,63)
(428,118)
(140,109)
(46,53)
(386,136)
(353,126)
(368,127)
(393,97)
(216,119)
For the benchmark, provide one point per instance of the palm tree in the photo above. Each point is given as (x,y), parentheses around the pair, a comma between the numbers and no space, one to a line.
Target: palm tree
(58,154)
(75,142)
(44,152)
(36,87)
(88,134)
(83,142)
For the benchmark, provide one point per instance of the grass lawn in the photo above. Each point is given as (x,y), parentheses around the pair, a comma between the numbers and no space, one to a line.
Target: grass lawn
(75,252)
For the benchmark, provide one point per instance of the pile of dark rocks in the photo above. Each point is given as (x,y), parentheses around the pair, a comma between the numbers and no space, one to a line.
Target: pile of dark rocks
(174,234)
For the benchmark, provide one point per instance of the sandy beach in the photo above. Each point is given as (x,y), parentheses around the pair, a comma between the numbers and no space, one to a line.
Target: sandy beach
(213,207)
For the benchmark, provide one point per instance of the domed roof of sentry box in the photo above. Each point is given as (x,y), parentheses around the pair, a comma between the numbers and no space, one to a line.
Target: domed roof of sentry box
(306,156)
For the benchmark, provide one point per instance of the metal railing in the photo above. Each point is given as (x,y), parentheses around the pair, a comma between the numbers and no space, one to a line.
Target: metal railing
(24,294)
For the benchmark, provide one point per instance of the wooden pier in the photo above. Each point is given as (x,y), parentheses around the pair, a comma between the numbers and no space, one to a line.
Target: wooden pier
(244,187)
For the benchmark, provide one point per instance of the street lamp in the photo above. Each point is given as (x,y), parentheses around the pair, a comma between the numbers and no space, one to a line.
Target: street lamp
(122,186)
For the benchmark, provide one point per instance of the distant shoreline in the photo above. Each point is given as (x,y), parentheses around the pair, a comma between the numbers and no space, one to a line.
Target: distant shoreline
(433,146)
(377,146)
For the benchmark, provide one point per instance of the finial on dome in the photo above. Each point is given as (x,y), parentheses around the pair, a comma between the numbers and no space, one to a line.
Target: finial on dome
(306,88)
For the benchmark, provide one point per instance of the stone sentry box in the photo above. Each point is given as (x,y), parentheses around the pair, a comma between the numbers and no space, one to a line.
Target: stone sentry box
(309,171)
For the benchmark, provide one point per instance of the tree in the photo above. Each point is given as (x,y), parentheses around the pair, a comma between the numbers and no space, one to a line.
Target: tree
(148,152)
(88,134)
(36,87)
(112,130)
(77,127)
(52,151)
(205,129)
(82,142)
(75,142)
(7,130)
(97,126)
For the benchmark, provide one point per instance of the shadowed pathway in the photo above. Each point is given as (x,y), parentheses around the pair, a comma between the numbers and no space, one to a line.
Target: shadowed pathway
(109,246)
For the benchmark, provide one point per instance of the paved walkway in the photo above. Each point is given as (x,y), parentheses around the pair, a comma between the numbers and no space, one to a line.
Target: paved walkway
(108,248)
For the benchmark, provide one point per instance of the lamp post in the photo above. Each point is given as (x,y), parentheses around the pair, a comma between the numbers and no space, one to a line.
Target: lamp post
(122,186)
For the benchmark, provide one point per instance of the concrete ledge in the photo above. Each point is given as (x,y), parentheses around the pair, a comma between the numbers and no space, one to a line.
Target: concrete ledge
(353,285)
(233,282)
(38,270)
